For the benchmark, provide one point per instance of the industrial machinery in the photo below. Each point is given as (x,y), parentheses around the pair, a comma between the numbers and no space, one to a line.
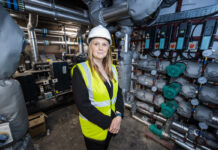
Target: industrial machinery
(167,51)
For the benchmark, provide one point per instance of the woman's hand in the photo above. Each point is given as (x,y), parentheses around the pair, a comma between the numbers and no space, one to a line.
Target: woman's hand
(115,125)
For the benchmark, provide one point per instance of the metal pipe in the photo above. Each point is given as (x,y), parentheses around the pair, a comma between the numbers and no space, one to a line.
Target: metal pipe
(65,40)
(54,32)
(53,6)
(159,118)
(180,127)
(32,39)
(47,43)
(80,40)
(126,46)
(142,121)
(215,119)
(190,142)
(115,13)
(55,14)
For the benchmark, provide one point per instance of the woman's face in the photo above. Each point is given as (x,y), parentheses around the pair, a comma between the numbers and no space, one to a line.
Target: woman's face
(99,48)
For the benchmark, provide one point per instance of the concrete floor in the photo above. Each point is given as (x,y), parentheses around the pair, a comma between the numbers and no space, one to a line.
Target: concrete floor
(65,133)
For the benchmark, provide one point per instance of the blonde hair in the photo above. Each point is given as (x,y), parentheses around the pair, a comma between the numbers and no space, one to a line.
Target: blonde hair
(107,64)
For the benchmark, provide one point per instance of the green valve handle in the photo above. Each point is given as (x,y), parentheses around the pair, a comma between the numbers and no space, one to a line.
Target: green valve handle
(176,70)
(153,128)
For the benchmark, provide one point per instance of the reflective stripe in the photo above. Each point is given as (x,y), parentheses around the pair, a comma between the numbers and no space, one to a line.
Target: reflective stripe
(88,75)
(90,88)
(101,104)
(114,100)
(115,73)
(82,116)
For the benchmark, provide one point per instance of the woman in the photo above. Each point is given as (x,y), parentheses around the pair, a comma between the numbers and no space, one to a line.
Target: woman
(96,92)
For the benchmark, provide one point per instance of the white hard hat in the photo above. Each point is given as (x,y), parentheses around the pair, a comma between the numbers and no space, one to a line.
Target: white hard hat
(101,32)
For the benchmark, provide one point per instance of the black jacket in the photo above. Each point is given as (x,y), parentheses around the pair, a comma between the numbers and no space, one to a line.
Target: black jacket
(83,103)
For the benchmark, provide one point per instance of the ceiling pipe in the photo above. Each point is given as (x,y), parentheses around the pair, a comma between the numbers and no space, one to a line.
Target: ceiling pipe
(115,13)
(54,14)
(53,6)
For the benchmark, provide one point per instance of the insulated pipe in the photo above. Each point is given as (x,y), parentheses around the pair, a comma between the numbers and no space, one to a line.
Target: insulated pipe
(115,13)
(56,43)
(32,39)
(47,43)
(55,14)
(53,32)
(53,6)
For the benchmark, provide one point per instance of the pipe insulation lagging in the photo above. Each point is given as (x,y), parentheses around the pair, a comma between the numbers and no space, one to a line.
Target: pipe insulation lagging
(150,64)
(10,51)
(125,70)
(124,76)
(193,69)
(184,109)
(50,5)
(211,72)
(209,94)
(145,106)
(204,114)
(13,107)
(147,80)
(148,96)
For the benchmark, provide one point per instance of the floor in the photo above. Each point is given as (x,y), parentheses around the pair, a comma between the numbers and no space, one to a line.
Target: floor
(64,133)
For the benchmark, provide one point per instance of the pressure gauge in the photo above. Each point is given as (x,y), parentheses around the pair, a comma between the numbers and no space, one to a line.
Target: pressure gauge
(207,53)
(154,88)
(203,125)
(202,80)
(157,53)
(153,72)
(194,102)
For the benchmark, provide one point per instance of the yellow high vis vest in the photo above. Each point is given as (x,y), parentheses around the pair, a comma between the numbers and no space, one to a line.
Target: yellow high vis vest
(99,98)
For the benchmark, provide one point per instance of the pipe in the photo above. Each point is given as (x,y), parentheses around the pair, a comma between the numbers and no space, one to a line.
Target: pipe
(57,15)
(53,32)
(80,41)
(56,43)
(115,13)
(177,126)
(47,43)
(53,6)
(142,121)
(126,46)
(32,39)
(159,118)
(189,141)
(164,134)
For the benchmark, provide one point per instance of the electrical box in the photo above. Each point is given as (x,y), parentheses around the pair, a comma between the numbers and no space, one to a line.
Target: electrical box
(207,34)
(183,36)
(28,86)
(149,38)
(62,75)
(164,37)
(157,38)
